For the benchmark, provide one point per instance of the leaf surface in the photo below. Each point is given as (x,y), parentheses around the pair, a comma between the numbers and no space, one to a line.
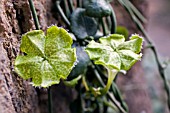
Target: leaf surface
(128,58)
(113,40)
(114,53)
(134,44)
(33,43)
(82,25)
(48,58)
(98,8)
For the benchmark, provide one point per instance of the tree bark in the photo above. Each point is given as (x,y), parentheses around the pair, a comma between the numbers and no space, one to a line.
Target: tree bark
(18,96)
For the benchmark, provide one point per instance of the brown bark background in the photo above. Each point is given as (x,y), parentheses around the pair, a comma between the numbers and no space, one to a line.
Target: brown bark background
(18,96)
(133,84)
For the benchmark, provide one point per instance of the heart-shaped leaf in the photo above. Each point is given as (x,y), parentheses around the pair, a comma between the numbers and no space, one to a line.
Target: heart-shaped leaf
(83,61)
(81,25)
(48,58)
(98,9)
(114,53)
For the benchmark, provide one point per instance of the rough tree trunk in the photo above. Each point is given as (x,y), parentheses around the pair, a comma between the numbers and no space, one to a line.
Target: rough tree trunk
(18,96)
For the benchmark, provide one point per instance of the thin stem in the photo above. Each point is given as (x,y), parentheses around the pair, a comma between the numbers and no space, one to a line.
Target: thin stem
(66,8)
(103,27)
(81,109)
(162,73)
(50,101)
(133,9)
(62,13)
(118,97)
(78,3)
(111,97)
(34,14)
(114,87)
(111,75)
(109,105)
(71,6)
(108,22)
(104,76)
(85,83)
(72,82)
(98,77)
(135,19)
(137,13)
(148,46)
(113,20)
(147,38)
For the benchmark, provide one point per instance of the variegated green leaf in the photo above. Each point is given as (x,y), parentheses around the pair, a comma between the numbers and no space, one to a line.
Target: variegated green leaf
(128,58)
(48,58)
(113,40)
(134,44)
(33,43)
(114,53)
